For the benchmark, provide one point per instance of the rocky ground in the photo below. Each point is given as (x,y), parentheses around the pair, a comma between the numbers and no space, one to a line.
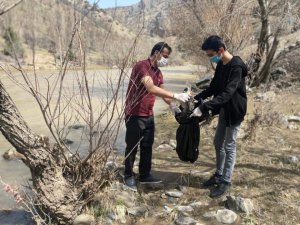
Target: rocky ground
(266,182)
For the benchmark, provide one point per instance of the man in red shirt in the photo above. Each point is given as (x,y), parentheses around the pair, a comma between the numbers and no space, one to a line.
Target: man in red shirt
(146,82)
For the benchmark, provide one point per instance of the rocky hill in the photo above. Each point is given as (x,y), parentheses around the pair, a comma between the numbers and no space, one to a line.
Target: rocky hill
(49,26)
(154,14)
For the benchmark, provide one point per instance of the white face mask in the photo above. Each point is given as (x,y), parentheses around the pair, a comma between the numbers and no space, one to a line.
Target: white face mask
(162,62)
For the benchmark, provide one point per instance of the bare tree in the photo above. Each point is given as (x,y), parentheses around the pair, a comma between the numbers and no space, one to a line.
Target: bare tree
(237,21)
(274,17)
(6,6)
(195,20)
(63,180)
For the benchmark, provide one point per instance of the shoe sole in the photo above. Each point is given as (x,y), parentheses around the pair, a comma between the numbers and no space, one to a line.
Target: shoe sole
(208,186)
(131,188)
(145,182)
(216,197)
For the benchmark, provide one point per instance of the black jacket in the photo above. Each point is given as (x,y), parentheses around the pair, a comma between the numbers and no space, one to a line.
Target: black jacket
(228,87)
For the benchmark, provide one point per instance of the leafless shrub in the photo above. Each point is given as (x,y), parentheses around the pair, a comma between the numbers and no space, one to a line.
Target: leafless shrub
(64,180)
(263,116)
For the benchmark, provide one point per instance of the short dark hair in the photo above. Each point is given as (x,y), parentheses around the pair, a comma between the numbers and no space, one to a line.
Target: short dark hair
(159,47)
(213,43)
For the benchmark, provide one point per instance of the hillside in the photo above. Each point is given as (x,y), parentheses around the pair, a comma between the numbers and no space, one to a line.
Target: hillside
(106,41)
(156,16)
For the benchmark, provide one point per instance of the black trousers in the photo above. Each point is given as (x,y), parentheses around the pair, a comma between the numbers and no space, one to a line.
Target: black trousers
(139,133)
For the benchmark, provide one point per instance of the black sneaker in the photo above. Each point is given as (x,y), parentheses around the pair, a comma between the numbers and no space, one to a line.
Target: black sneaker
(150,180)
(213,180)
(223,188)
(131,183)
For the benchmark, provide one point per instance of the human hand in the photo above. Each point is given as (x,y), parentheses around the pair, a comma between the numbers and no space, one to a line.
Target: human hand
(182,97)
(197,113)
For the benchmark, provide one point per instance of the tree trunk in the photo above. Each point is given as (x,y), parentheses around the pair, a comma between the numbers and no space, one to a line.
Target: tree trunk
(265,28)
(265,71)
(55,193)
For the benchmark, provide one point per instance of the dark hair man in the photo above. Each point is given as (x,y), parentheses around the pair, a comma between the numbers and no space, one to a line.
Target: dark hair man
(230,102)
(146,82)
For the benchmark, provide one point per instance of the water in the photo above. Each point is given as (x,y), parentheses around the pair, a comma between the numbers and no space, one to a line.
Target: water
(16,173)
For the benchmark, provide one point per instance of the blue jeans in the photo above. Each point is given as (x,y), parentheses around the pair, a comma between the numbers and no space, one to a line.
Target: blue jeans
(225,146)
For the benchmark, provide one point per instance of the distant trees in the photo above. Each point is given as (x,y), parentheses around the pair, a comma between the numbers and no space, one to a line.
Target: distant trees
(275,18)
(241,23)
(194,20)
(13,43)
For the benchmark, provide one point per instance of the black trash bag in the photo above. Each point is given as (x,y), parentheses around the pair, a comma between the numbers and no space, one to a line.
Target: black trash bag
(188,132)
(187,137)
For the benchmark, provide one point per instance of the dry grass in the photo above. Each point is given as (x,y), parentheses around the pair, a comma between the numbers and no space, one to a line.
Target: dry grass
(261,174)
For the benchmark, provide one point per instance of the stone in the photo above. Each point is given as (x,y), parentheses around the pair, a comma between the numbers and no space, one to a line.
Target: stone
(248,89)
(174,193)
(183,189)
(185,220)
(240,204)
(210,214)
(268,96)
(84,219)
(167,209)
(12,154)
(241,134)
(293,118)
(112,216)
(137,211)
(163,196)
(278,72)
(165,147)
(121,213)
(111,166)
(226,216)
(196,204)
(292,159)
(173,143)
(292,127)
(184,208)
(292,46)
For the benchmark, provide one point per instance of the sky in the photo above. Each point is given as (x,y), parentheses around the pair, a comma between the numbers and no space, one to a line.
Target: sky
(113,3)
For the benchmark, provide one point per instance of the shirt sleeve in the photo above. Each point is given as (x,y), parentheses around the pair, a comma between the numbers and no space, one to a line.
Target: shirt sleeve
(235,77)
(207,92)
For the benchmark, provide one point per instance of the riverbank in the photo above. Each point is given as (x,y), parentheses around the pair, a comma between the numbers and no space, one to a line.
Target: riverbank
(15,173)
(265,182)
(267,170)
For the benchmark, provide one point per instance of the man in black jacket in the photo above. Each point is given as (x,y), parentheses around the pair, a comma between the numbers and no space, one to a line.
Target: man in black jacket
(228,89)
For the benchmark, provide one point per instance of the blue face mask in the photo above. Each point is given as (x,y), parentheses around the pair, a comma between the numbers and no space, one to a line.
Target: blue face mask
(215,59)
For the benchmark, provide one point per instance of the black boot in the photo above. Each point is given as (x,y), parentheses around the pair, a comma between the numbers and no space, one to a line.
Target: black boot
(213,180)
(222,188)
